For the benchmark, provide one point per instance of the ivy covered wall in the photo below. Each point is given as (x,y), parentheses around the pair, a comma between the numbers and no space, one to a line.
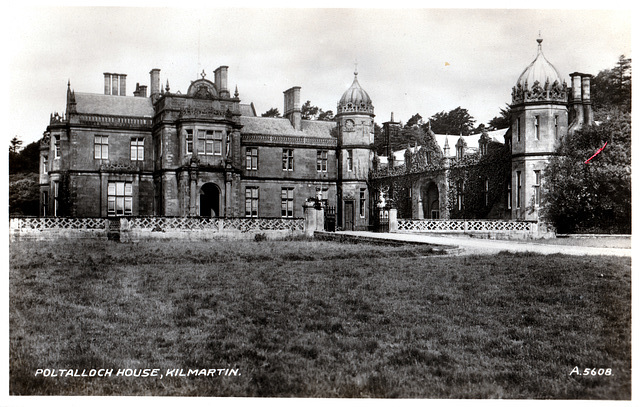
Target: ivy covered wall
(471,187)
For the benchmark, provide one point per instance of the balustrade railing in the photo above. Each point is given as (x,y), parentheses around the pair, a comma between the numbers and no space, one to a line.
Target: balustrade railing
(58,223)
(160,223)
(457,225)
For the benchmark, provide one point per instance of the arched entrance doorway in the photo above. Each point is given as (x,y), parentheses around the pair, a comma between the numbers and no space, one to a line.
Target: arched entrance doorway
(430,201)
(210,200)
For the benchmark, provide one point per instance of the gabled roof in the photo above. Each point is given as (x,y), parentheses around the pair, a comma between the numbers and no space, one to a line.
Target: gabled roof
(471,141)
(247,109)
(94,103)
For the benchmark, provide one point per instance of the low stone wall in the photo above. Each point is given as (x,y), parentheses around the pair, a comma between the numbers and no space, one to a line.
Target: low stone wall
(135,229)
(489,229)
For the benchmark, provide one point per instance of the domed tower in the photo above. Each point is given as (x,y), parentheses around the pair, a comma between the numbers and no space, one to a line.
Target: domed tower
(355,138)
(539,118)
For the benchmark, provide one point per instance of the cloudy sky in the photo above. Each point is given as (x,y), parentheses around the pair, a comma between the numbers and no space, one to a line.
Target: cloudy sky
(409,60)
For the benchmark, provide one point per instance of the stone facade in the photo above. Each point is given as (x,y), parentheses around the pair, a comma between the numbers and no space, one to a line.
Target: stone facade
(493,175)
(203,153)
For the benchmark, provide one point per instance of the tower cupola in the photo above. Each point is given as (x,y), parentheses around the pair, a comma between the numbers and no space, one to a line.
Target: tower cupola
(540,81)
(355,99)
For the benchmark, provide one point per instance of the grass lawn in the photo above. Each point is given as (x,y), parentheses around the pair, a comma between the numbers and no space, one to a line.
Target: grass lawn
(619,242)
(317,319)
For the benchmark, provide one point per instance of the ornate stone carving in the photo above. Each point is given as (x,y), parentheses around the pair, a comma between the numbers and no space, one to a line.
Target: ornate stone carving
(555,92)
(200,112)
(203,92)
(118,166)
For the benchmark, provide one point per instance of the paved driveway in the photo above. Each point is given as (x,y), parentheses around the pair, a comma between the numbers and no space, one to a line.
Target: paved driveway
(470,245)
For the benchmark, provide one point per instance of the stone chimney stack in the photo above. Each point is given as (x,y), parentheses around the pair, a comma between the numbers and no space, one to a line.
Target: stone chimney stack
(141,91)
(123,84)
(220,76)
(115,84)
(107,83)
(292,107)
(586,99)
(576,112)
(154,82)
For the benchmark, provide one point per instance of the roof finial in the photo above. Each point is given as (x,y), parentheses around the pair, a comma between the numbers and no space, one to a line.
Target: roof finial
(356,70)
(539,39)
(203,74)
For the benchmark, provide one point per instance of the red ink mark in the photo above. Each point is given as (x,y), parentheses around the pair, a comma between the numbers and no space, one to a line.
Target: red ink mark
(597,152)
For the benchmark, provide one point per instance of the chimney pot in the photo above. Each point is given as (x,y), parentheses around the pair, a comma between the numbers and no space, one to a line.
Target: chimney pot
(123,84)
(154,81)
(292,107)
(107,83)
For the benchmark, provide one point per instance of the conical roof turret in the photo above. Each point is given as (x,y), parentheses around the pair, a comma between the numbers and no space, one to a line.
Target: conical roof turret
(540,81)
(540,70)
(355,99)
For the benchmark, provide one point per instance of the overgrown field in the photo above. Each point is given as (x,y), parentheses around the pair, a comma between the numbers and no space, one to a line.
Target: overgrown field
(317,319)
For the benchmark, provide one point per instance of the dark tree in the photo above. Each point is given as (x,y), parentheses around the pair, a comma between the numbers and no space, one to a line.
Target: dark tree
(23,178)
(273,112)
(326,116)
(15,144)
(26,160)
(503,121)
(415,120)
(456,121)
(611,88)
(591,197)
(309,112)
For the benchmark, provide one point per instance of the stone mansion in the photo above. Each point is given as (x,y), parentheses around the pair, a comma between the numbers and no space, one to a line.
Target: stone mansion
(205,153)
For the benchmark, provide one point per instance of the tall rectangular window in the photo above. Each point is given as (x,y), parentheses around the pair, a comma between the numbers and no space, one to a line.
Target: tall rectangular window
(555,126)
(287,202)
(56,187)
(509,194)
(287,159)
(45,165)
(486,192)
(56,146)
(518,129)
(349,160)
(536,187)
(251,202)
(45,203)
(217,142)
(101,147)
(460,194)
(189,141)
(119,198)
(518,188)
(321,160)
(363,201)
(251,157)
(137,149)
(537,127)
